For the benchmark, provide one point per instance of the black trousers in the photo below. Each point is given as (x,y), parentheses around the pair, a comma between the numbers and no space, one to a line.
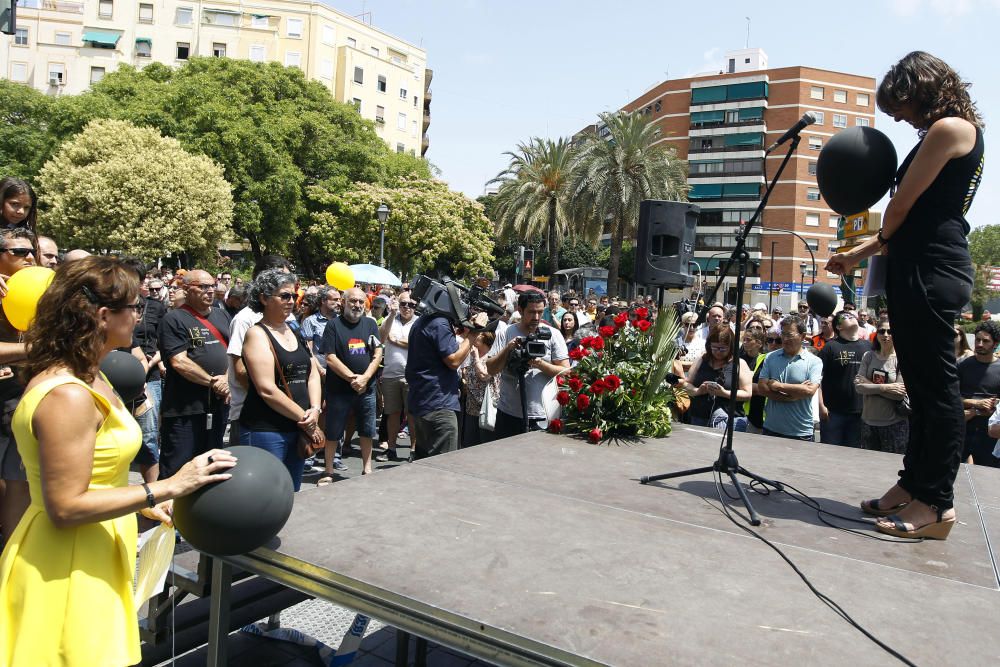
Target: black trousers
(925,298)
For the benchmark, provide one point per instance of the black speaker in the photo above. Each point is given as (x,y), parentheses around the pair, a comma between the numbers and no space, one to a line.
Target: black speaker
(665,243)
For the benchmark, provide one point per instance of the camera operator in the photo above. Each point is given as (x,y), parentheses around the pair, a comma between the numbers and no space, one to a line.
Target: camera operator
(535,373)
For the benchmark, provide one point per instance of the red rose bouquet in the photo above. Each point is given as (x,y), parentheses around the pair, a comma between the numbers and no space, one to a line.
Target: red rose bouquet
(617,388)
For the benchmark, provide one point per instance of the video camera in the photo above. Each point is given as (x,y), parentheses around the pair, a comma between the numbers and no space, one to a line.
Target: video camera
(530,347)
(454,300)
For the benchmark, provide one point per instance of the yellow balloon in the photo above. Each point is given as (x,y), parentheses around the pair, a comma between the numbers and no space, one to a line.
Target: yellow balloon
(340,275)
(24,289)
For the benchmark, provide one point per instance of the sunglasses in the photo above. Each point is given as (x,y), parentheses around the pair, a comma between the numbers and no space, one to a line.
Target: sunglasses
(773,340)
(885,332)
(407,304)
(286,296)
(139,308)
(20,252)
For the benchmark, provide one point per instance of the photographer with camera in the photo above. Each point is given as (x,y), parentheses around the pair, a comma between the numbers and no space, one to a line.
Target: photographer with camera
(529,354)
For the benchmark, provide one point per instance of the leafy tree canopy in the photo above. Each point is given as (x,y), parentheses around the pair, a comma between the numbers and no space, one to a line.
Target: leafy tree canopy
(115,186)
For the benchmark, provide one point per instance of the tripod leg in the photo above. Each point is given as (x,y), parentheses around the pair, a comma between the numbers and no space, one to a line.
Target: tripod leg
(754,519)
(757,478)
(683,473)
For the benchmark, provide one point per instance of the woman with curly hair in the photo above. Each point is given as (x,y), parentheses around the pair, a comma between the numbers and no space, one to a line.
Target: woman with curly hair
(929,280)
(66,575)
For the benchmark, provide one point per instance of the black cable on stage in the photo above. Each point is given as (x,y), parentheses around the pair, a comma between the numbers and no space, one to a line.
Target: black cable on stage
(825,599)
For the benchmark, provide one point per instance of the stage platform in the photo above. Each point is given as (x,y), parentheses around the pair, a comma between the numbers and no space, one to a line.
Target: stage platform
(543,549)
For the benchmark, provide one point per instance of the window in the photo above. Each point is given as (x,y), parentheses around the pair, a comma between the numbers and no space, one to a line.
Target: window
(834,221)
(813,244)
(862,122)
(21,37)
(293,27)
(415,98)
(328,35)
(293,59)
(105,9)
(374,51)
(143,48)
(401,121)
(145,12)
(400,148)
(733,116)
(812,194)
(815,143)
(658,106)
(63,38)
(351,42)
(185,16)
(183,50)
(357,104)
(862,99)
(811,168)
(218,49)
(833,246)
(812,219)
(359,75)
(326,69)
(381,85)
(57,74)
(259,21)
(257,54)
(840,120)
(19,72)
(403,94)
(840,96)
(820,116)
(217,17)
(413,129)
(96,74)
(380,114)
(816,92)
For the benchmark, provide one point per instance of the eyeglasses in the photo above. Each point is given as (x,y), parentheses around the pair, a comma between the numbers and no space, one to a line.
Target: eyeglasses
(20,252)
(139,308)
(885,332)
(286,296)
(719,348)
(407,304)
(771,339)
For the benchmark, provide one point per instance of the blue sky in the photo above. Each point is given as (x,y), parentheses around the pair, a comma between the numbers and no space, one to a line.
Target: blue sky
(507,71)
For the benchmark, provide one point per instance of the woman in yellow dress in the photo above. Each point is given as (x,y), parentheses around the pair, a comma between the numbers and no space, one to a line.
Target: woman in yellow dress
(66,574)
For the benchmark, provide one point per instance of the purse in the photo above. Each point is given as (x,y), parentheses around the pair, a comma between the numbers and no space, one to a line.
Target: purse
(488,411)
(306,447)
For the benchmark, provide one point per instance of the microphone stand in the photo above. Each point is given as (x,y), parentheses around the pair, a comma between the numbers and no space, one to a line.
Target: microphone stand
(727,462)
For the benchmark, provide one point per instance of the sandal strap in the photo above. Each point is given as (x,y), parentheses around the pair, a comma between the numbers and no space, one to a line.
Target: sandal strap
(898,523)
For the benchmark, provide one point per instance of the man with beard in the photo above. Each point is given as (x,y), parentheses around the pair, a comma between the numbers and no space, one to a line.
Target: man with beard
(313,328)
(353,355)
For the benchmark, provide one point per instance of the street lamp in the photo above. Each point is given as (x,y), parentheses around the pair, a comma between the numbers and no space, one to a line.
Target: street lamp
(382,212)
(802,277)
(770,292)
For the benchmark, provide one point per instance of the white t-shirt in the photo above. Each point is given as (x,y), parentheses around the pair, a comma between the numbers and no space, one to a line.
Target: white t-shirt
(238,328)
(395,356)
(510,397)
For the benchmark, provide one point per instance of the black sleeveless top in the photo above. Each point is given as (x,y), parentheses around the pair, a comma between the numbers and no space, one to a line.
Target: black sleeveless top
(256,414)
(703,406)
(935,229)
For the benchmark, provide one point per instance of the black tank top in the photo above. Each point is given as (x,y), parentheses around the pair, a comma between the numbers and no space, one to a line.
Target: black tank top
(935,229)
(703,406)
(256,414)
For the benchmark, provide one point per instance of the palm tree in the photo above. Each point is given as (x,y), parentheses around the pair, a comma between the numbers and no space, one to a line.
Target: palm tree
(533,199)
(615,172)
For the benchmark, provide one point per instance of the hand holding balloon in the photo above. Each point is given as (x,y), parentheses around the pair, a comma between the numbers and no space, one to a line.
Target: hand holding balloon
(841,263)
(201,470)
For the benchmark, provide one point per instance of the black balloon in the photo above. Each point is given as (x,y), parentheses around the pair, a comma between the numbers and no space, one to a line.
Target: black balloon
(855,169)
(822,299)
(125,374)
(241,513)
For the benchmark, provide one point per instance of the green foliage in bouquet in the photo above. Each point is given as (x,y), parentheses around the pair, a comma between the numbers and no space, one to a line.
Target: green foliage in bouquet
(617,390)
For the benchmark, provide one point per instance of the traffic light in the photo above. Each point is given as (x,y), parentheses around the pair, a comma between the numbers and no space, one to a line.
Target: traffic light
(8,10)
(529,264)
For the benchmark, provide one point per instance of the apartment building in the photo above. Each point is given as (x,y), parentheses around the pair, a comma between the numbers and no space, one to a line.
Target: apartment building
(721,123)
(63,46)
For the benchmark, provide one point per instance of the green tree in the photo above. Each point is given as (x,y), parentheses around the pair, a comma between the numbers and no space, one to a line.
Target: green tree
(984,247)
(534,195)
(613,174)
(120,187)
(430,228)
(25,140)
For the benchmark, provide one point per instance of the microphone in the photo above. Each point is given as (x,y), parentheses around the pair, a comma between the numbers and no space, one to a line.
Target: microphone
(808,118)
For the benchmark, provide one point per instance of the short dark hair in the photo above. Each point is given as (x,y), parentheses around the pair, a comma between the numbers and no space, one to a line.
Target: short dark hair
(11,187)
(15,233)
(990,327)
(136,265)
(531,296)
(794,320)
(270,262)
(840,314)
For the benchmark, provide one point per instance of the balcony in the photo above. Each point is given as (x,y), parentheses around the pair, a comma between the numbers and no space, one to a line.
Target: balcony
(721,174)
(720,124)
(424,145)
(428,76)
(52,6)
(725,149)
(428,95)
(427,119)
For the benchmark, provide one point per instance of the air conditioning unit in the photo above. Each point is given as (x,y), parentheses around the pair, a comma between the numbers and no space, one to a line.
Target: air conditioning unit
(55,80)
(379,119)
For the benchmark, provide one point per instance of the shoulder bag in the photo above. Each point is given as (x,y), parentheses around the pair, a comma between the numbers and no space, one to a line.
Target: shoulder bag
(306,446)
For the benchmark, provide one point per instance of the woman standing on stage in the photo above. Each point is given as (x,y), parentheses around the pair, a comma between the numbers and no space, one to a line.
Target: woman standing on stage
(66,574)
(929,280)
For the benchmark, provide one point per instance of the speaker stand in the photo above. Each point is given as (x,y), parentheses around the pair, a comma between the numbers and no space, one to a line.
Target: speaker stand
(727,462)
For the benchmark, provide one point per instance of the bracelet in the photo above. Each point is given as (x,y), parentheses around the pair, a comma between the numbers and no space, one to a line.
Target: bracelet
(881,239)
(150,498)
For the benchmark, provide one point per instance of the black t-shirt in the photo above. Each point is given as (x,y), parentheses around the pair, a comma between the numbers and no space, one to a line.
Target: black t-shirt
(841,361)
(181,332)
(10,384)
(354,344)
(146,332)
(978,380)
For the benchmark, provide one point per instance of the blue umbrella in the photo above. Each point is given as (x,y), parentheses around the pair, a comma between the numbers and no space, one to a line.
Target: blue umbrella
(374,275)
